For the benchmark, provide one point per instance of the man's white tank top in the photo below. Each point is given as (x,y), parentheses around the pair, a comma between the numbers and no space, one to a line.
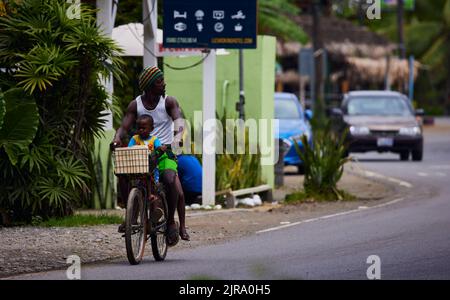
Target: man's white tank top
(162,122)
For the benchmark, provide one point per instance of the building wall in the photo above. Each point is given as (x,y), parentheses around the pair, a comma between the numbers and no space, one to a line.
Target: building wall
(259,84)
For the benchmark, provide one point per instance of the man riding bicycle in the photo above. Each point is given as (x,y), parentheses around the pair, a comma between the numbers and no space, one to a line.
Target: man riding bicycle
(168,127)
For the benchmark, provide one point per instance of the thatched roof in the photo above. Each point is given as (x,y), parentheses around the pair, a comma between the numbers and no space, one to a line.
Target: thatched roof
(340,38)
(360,51)
(361,70)
(371,70)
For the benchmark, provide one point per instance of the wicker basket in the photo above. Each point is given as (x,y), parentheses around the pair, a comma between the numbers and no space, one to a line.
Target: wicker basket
(132,160)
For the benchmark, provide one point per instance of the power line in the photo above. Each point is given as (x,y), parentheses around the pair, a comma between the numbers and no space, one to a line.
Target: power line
(166,64)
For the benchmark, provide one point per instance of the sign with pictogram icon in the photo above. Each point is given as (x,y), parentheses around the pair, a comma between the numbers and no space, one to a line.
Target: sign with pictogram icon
(209,24)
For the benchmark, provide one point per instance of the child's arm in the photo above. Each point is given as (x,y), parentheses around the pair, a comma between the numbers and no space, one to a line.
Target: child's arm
(162,148)
(159,148)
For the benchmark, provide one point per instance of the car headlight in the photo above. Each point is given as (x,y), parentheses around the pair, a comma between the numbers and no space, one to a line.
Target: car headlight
(410,130)
(285,145)
(359,130)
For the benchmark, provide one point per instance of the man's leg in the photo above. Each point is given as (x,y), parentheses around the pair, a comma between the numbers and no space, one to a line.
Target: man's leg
(124,191)
(123,198)
(175,200)
(167,177)
(181,210)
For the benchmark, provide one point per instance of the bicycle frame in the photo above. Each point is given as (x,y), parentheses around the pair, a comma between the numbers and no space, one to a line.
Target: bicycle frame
(143,183)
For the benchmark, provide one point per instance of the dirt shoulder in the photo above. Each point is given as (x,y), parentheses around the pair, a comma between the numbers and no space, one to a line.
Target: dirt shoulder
(34,249)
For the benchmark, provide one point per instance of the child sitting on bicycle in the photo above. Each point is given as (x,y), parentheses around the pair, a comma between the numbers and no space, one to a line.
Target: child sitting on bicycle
(144,128)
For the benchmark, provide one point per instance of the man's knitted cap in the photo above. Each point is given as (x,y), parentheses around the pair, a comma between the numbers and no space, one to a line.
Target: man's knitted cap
(148,76)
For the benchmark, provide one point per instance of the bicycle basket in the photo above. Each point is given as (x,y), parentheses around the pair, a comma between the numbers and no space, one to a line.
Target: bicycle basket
(132,160)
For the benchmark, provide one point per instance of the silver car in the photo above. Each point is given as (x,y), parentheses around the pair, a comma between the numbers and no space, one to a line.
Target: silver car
(382,121)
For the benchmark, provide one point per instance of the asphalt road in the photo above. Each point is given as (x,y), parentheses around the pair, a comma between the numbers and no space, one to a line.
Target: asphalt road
(411,236)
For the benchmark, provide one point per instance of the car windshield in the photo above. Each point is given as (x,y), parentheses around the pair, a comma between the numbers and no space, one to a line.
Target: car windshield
(286,109)
(384,106)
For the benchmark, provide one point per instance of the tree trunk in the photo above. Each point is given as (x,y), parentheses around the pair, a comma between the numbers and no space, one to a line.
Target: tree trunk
(5,218)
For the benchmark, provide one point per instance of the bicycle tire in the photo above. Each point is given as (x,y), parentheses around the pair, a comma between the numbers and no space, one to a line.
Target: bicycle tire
(135,214)
(158,239)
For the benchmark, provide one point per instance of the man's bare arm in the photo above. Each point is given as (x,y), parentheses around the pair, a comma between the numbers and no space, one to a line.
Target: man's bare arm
(174,111)
(127,122)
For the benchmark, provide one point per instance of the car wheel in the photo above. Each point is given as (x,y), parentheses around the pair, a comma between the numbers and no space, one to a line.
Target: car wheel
(417,155)
(404,155)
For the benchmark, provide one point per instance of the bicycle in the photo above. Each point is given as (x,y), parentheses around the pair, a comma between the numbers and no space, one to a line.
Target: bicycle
(138,164)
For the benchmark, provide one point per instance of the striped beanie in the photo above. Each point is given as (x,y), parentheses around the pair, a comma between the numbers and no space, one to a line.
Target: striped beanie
(148,76)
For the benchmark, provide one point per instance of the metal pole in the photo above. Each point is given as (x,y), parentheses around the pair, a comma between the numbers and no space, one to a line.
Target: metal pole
(105,22)
(241,86)
(401,43)
(150,23)
(387,77)
(318,45)
(411,78)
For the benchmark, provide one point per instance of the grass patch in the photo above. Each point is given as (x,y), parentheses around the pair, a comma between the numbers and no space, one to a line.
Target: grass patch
(78,220)
(303,197)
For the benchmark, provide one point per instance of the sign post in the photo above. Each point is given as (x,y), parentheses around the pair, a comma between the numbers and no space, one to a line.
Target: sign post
(209,129)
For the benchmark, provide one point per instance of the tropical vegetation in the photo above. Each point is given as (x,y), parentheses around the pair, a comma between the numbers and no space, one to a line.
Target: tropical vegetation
(427,37)
(52,107)
(324,161)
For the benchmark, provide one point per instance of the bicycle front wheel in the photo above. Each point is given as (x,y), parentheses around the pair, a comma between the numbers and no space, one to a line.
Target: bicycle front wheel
(135,227)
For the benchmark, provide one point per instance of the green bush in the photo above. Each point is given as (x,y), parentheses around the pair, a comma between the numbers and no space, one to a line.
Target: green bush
(324,161)
(233,171)
(237,171)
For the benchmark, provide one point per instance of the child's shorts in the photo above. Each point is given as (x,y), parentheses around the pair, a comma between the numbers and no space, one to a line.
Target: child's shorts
(165,163)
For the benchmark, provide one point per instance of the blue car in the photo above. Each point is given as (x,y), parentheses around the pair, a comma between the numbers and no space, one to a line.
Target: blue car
(293,123)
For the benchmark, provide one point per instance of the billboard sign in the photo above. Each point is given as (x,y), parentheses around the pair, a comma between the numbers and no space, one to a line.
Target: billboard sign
(209,24)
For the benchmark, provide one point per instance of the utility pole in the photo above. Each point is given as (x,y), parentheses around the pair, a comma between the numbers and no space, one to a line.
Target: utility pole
(241,103)
(401,42)
(319,102)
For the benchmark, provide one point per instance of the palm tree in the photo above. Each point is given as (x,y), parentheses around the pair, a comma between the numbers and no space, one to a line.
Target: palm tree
(51,107)
(273,18)
(428,38)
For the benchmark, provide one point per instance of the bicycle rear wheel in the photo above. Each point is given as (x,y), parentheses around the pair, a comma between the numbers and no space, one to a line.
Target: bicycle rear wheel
(158,238)
(135,226)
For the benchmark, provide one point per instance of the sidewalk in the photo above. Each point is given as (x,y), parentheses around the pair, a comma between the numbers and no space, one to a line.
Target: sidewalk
(33,249)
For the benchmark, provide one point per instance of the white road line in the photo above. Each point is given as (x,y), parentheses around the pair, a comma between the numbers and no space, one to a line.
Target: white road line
(391,179)
(422,174)
(330,216)
(441,167)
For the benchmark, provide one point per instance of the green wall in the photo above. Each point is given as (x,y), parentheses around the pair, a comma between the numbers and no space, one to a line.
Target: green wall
(259,83)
